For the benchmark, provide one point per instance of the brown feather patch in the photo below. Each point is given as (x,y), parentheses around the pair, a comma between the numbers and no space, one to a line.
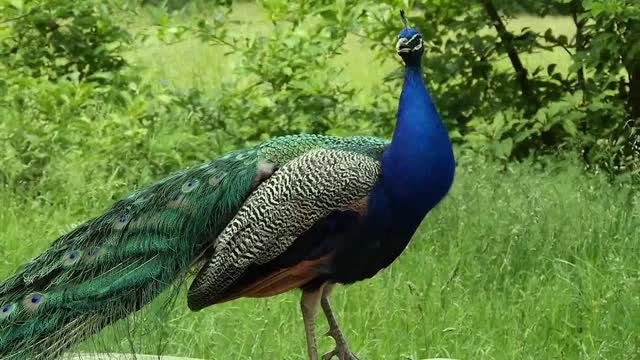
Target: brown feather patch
(360,206)
(278,281)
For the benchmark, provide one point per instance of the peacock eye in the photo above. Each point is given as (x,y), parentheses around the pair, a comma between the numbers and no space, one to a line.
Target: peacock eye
(190,185)
(33,301)
(123,220)
(217,178)
(92,254)
(71,258)
(176,201)
(6,310)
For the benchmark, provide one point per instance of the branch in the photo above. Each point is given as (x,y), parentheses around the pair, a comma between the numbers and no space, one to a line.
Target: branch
(576,6)
(31,11)
(556,43)
(507,40)
(634,93)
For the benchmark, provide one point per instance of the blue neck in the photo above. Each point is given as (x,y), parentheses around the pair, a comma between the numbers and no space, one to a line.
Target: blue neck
(417,116)
(417,172)
(418,165)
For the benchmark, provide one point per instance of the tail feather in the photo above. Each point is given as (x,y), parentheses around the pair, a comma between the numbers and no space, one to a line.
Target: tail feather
(111,266)
(68,314)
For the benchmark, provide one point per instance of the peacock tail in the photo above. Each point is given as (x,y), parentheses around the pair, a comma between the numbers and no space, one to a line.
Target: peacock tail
(111,266)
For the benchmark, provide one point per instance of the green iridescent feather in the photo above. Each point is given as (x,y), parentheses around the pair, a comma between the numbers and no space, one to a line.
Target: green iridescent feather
(114,264)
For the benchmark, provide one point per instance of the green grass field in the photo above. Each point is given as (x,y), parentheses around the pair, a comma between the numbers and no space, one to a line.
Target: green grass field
(522,263)
(517,265)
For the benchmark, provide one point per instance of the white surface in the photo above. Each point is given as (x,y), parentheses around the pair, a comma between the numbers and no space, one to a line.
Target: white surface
(114,356)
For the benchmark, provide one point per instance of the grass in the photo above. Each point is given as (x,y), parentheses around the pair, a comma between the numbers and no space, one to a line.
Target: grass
(518,264)
(523,264)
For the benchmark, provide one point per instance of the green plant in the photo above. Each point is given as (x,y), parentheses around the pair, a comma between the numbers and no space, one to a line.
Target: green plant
(56,38)
(475,69)
(294,87)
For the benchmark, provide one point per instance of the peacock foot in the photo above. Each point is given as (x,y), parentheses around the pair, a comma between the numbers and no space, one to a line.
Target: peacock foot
(342,355)
(341,350)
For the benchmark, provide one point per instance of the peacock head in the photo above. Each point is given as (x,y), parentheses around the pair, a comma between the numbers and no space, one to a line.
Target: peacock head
(409,46)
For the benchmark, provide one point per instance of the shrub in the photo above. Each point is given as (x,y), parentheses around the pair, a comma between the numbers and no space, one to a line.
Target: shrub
(513,112)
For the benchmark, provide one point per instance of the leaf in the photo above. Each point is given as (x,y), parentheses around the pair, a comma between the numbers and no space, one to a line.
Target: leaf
(536,71)
(563,39)
(570,127)
(504,148)
(520,136)
(455,134)
(164,98)
(17,4)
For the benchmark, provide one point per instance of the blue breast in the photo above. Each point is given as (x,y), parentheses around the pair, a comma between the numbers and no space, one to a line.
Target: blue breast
(417,172)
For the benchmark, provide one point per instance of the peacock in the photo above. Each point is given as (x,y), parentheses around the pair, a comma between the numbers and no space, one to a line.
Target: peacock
(295,212)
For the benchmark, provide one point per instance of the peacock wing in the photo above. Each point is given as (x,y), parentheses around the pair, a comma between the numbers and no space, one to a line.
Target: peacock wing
(301,193)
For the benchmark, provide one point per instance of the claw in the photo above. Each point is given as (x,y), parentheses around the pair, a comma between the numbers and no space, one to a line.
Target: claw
(335,352)
(341,350)
(330,354)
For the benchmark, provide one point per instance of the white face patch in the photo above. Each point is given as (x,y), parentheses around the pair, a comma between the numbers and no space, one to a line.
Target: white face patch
(418,47)
(404,41)
(413,37)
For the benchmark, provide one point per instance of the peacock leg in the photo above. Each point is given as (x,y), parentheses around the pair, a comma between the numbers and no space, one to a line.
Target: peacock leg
(341,349)
(308,305)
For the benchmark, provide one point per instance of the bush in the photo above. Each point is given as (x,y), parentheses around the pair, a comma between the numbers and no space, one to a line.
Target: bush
(514,112)
(70,103)
(56,38)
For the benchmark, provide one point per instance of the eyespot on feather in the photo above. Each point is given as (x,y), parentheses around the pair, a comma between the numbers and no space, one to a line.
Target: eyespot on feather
(217,179)
(214,180)
(92,254)
(143,198)
(6,311)
(33,301)
(190,185)
(176,202)
(122,221)
(71,257)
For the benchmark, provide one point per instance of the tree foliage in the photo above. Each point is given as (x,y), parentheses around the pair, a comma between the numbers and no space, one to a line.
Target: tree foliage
(57,38)
(513,111)
(71,103)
